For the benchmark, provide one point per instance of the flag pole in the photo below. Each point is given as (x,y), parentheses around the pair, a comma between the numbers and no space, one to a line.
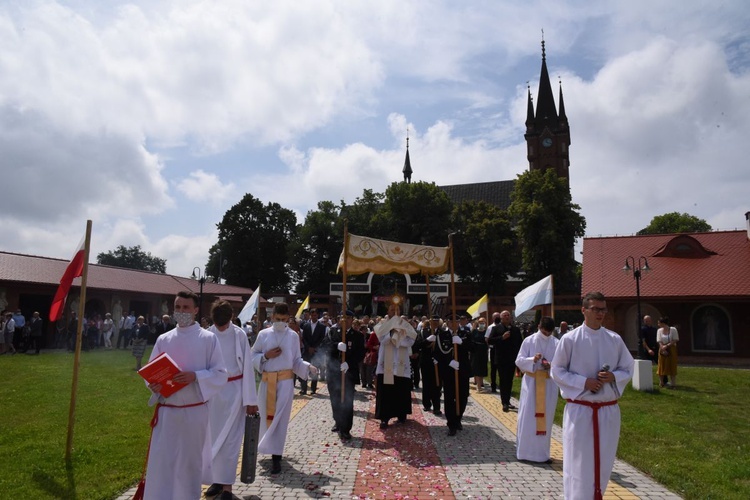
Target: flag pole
(343,306)
(77,357)
(552,282)
(453,307)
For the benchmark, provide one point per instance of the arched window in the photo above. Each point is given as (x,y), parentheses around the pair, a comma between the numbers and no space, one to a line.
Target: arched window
(712,329)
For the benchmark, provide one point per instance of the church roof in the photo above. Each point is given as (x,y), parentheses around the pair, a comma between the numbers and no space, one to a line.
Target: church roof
(495,193)
(697,265)
(37,270)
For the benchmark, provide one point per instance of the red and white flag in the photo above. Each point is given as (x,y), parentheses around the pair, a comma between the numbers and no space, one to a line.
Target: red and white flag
(74,270)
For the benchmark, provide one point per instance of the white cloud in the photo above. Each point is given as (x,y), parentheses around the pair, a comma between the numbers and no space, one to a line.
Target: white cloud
(202,186)
(104,109)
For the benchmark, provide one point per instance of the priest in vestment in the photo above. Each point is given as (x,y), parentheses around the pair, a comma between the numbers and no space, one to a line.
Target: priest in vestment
(591,366)
(393,391)
(174,472)
(277,357)
(539,394)
(228,408)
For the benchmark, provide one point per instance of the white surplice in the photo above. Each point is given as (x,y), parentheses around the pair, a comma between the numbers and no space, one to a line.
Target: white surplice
(529,445)
(581,354)
(180,442)
(227,408)
(272,439)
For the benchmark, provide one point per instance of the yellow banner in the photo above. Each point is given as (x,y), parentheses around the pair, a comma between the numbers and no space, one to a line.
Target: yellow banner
(383,257)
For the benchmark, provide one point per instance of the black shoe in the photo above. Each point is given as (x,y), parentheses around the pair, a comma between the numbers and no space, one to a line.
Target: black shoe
(345,435)
(303,393)
(512,407)
(437,413)
(225,495)
(459,426)
(427,408)
(383,424)
(506,409)
(451,431)
(312,393)
(494,390)
(335,428)
(276,465)
(214,490)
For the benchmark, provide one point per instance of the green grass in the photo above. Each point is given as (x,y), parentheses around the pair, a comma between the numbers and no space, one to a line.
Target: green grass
(111,425)
(693,439)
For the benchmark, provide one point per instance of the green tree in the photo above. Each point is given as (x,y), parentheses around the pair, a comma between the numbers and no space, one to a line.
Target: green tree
(255,241)
(315,252)
(547,225)
(361,215)
(132,258)
(675,222)
(486,247)
(417,213)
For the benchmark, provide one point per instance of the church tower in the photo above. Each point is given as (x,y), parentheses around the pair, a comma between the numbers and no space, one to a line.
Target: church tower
(547,132)
(407,171)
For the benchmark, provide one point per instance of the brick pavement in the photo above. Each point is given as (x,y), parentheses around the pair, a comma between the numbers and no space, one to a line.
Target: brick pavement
(418,460)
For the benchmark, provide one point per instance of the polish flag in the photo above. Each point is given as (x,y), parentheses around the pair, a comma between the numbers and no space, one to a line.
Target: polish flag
(74,270)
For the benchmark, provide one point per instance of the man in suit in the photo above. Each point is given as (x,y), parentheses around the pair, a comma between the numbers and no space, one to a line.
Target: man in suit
(313,334)
(164,325)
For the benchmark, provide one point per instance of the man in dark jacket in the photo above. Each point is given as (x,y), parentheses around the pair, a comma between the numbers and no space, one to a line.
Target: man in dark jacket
(507,339)
(445,344)
(354,349)
(313,334)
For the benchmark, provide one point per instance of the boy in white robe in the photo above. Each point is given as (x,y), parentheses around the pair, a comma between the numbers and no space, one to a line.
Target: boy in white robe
(174,472)
(277,357)
(536,412)
(592,366)
(227,409)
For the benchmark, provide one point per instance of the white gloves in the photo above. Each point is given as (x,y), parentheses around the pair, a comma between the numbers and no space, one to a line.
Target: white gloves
(344,367)
(342,347)
(434,361)
(431,338)
(453,364)
(457,340)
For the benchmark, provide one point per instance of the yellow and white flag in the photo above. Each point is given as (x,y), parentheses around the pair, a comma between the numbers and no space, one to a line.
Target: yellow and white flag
(478,307)
(304,305)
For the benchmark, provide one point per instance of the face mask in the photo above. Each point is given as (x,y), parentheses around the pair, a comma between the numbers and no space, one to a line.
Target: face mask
(482,327)
(182,319)
(279,326)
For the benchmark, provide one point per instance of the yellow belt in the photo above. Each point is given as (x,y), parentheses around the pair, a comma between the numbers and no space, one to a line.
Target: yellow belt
(271,379)
(540,379)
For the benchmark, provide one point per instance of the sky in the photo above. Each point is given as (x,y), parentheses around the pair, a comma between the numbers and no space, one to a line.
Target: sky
(152,118)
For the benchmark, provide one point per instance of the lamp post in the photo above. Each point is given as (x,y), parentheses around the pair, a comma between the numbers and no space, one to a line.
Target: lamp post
(638,268)
(201,279)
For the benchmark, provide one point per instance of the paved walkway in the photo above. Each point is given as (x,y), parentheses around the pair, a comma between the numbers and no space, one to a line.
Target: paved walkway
(418,460)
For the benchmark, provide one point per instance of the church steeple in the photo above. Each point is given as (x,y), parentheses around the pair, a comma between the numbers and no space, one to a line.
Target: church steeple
(407,163)
(547,132)
(546,114)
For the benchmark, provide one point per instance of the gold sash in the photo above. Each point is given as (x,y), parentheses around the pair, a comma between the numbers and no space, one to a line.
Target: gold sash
(540,381)
(271,379)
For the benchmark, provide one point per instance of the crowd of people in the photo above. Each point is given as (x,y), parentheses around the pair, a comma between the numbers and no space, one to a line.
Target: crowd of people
(393,356)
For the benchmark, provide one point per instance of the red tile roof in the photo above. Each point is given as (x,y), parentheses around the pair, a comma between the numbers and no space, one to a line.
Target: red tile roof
(723,274)
(48,271)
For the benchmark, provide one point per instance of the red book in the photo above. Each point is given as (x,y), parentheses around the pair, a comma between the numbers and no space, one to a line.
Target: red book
(160,370)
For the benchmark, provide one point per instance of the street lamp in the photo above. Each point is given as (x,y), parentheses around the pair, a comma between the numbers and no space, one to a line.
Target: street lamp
(638,268)
(201,279)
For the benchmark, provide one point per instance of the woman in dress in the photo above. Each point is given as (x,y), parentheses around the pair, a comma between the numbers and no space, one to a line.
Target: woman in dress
(667,338)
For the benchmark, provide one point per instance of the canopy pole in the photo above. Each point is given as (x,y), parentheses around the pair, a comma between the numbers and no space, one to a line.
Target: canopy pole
(343,306)
(453,307)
